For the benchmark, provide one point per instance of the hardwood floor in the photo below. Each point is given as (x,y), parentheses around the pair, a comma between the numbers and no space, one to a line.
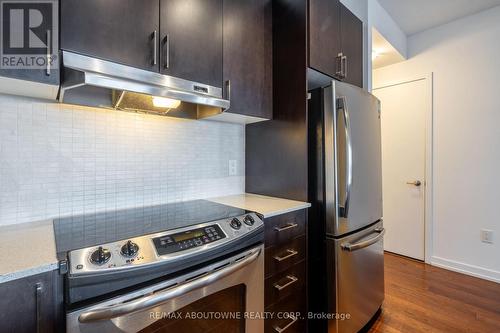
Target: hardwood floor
(423,298)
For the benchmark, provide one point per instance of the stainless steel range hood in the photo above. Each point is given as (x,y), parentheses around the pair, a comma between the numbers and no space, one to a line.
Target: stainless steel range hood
(98,83)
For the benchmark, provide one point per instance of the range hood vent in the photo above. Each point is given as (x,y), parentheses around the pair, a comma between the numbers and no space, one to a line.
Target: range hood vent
(98,83)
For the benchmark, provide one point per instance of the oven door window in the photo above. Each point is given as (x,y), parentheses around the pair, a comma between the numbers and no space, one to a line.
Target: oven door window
(220,312)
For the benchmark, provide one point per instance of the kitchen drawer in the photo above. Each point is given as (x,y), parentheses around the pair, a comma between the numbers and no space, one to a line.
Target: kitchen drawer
(284,284)
(282,228)
(280,258)
(293,305)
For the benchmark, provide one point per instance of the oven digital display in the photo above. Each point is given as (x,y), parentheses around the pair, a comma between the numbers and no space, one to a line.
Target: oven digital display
(188,235)
(186,240)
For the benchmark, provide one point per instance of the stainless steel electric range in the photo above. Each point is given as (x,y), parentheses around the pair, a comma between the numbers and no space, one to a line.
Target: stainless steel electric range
(153,268)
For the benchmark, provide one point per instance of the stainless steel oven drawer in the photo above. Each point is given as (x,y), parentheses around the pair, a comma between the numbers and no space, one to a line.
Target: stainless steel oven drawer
(355,278)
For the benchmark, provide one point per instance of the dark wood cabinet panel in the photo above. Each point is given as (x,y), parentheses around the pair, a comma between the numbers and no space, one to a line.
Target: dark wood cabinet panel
(39,75)
(24,309)
(324,35)
(191,40)
(276,150)
(352,46)
(289,282)
(121,31)
(247,56)
(281,229)
(293,305)
(279,258)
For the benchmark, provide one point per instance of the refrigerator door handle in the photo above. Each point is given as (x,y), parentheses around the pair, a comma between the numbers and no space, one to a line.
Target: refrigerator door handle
(356,246)
(342,105)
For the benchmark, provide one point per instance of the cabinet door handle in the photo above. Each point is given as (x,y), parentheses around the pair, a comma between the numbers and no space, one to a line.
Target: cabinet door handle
(292,279)
(283,329)
(290,253)
(344,68)
(38,299)
(338,65)
(167,51)
(286,227)
(155,50)
(49,54)
(228,90)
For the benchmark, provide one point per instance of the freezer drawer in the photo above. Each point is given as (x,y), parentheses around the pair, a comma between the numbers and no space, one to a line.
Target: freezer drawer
(355,278)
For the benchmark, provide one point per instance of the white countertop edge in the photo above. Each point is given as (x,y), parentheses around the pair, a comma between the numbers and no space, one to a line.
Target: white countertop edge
(256,203)
(284,211)
(28,272)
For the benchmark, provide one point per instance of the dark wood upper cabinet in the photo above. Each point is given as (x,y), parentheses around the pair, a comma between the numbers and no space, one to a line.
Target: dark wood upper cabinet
(191,40)
(324,35)
(247,65)
(335,41)
(352,46)
(121,31)
(32,304)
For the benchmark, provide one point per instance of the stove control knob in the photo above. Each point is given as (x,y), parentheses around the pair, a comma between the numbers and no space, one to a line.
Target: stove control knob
(100,256)
(129,249)
(235,223)
(248,220)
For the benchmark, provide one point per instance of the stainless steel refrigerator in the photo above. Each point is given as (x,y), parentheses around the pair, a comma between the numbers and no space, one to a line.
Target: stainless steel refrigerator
(346,279)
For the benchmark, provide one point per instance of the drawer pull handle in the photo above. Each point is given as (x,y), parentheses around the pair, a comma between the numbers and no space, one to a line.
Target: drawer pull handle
(361,245)
(286,227)
(280,330)
(292,279)
(290,253)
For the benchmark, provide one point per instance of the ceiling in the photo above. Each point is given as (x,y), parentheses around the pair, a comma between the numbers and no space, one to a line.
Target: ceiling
(383,53)
(414,16)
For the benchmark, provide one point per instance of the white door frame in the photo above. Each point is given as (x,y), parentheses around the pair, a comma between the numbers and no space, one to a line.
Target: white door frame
(429,181)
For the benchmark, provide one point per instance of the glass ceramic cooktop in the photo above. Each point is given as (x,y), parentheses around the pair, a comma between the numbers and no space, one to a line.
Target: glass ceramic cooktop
(82,231)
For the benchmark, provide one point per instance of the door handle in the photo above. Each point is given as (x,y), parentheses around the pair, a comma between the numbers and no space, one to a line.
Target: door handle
(356,246)
(286,227)
(156,299)
(339,65)
(291,280)
(283,329)
(39,290)
(290,253)
(167,51)
(49,54)
(155,51)
(342,105)
(415,183)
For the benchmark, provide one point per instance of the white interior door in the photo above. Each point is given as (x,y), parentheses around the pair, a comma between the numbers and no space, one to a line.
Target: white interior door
(403,119)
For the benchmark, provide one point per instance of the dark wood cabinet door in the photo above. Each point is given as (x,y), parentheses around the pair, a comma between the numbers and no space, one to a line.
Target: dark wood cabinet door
(32,304)
(191,40)
(247,55)
(324,35)
(121,31)
(352,46)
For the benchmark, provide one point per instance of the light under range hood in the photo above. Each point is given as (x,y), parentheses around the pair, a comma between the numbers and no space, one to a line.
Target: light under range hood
(98,83)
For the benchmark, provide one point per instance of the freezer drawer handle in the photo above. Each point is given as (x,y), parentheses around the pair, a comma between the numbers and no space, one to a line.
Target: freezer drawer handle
(286,227)
(280,330)
(366,243)
(292,279)
(156,299)
(290,254)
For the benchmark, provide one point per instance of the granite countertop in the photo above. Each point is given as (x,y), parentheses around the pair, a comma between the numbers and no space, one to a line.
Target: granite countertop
(267,206)
(27,249)
(30,248)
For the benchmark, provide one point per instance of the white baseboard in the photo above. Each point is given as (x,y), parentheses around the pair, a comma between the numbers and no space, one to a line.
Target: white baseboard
(456,266)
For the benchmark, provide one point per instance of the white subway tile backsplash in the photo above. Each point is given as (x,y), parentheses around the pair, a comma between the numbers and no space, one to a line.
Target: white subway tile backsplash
(59,160)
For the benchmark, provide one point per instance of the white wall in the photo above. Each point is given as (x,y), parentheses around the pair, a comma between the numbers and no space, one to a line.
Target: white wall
(58,160)
(465,58)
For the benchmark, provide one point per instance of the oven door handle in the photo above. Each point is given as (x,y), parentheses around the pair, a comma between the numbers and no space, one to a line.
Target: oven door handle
(156,299)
